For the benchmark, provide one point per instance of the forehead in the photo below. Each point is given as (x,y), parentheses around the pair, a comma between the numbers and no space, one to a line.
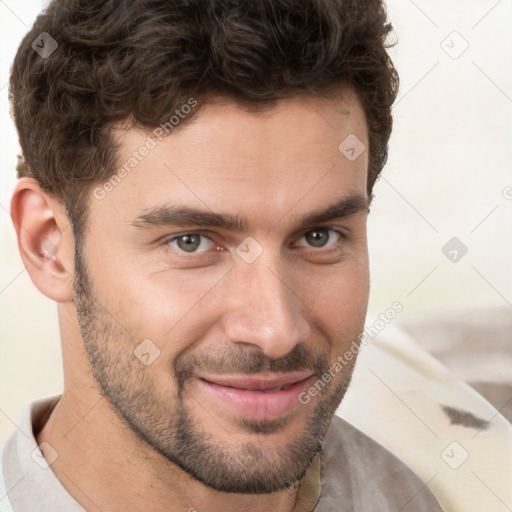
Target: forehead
(231,158)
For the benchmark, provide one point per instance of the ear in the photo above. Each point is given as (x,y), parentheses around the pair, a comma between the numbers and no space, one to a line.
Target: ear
(45,239)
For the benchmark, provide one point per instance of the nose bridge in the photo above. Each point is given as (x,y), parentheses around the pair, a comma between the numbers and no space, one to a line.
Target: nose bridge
(265,309)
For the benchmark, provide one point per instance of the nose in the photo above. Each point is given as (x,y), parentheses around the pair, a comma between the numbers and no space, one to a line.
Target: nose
(266,311)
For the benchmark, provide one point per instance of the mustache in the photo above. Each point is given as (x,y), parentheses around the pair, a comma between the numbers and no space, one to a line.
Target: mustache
(247,360)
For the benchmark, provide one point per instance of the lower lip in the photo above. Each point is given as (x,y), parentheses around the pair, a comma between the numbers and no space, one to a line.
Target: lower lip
(253,404)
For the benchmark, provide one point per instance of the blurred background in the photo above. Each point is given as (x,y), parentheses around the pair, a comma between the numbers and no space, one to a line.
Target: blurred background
(440,231)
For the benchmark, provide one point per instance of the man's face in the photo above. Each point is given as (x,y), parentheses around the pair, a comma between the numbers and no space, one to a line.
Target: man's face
(203,336)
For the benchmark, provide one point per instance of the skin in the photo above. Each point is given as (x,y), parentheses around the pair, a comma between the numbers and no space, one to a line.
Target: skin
(272,168)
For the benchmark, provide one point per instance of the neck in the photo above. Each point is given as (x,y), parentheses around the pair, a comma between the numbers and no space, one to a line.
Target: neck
(104,465)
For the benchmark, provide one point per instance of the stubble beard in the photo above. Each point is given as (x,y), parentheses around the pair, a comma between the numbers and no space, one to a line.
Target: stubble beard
(249,468)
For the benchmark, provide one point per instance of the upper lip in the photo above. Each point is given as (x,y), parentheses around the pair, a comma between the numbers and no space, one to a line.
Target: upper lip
(258,383)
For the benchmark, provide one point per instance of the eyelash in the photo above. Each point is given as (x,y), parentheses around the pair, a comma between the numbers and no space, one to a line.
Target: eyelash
(331,229)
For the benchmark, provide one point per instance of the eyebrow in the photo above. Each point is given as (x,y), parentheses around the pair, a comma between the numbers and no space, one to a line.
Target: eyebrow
(187,216)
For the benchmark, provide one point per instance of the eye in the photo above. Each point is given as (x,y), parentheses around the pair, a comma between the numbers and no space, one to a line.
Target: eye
(194,243)
(191,242)
(322,237)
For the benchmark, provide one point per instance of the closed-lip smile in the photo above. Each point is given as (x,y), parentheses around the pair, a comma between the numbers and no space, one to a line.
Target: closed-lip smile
(257,396)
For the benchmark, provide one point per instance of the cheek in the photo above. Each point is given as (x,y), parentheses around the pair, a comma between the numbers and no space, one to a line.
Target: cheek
(161,306)
(339,295)
(339,306)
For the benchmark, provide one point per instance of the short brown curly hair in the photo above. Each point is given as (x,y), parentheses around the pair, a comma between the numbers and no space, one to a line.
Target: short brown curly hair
(140,60)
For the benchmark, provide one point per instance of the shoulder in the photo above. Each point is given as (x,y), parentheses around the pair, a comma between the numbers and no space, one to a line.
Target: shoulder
(358,470)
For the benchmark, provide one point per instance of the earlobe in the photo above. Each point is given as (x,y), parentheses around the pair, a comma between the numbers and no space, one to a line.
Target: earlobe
(45,240)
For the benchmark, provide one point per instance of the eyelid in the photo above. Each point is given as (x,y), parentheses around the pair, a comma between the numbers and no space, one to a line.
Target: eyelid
(167,239)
